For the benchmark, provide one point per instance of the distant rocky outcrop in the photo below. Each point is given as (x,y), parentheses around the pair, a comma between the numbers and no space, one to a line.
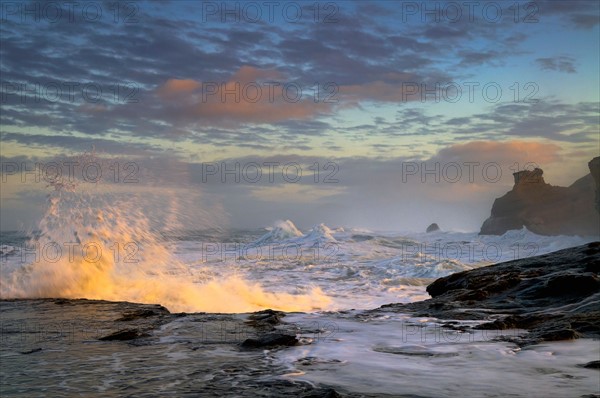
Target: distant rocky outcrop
(548,210)
(594,166)
(432,228)
(554,296)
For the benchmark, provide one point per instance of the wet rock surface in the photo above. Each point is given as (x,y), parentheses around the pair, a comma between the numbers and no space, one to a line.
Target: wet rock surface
(271,340)
(266,319)
(592,365)
(139,349)
(143,313)
(124,335)
(554,296)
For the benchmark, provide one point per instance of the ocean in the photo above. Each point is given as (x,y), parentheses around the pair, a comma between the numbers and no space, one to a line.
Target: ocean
(280,267)
(324,277)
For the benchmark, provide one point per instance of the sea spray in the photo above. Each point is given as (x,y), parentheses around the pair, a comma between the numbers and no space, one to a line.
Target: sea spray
(102,240)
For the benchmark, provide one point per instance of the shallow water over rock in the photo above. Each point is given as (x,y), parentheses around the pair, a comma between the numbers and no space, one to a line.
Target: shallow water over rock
(60,348)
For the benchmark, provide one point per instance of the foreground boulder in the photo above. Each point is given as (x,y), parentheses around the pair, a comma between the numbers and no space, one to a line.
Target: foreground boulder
(545,209)
(555,296)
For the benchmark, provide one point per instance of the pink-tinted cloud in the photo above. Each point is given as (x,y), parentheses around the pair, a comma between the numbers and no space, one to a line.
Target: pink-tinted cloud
(248,74)
(502,152)
(178,86)
(251,95)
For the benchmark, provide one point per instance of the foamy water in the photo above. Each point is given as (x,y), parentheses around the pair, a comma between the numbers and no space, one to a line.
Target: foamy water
(282,268)
(357,269)
(94,246)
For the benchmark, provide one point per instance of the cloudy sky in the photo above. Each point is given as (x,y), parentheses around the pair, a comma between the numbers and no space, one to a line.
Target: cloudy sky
(385,115)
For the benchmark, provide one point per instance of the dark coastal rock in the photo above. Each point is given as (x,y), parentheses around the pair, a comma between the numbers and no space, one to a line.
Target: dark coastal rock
(268,335)
(143,313)
(266,319)
(594,166)
(545,209)
(270,340)
(432,228)
(555,296)
(31,351)
(592,365)
(124,335)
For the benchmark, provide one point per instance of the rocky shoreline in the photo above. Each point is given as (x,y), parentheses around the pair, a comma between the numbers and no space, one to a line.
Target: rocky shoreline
(62,347)
(553,297)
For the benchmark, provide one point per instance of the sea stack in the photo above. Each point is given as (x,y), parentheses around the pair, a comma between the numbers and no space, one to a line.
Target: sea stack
(594,166)
(432,228)
(545,209)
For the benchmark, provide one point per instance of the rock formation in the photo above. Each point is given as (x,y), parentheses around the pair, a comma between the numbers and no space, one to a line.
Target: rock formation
(554,296)
(545,209)
(594,166)
(432,228)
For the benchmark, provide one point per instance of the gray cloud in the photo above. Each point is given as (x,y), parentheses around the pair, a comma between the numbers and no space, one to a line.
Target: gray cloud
(560,64)
(355,51)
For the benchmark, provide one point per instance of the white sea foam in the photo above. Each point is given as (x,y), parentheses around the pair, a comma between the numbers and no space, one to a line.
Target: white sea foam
(98,246)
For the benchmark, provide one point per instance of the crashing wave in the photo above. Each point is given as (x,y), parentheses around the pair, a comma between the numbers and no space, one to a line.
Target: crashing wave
(281,231)
(320,232)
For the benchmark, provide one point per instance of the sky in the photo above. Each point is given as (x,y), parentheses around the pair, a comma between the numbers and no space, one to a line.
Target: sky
(386,115)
